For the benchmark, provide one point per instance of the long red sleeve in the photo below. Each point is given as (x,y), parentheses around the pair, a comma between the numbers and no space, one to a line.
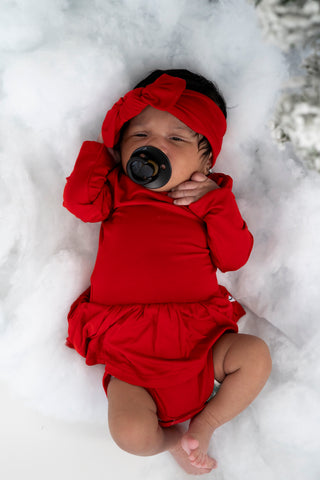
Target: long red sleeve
(87,193)
(229,239)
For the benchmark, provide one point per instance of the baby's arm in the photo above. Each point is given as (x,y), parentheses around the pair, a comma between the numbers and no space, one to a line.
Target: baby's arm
(87,193)
(229,239)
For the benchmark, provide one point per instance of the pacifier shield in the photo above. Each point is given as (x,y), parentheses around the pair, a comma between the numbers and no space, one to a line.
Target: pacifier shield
(149,166)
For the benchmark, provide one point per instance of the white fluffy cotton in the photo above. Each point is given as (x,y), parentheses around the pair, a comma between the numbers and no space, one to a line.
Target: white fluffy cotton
(64,63)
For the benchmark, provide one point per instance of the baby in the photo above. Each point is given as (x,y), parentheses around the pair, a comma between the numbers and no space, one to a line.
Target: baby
(154,313)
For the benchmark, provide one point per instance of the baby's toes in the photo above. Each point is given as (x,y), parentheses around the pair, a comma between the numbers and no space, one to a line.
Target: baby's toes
(194,454)
(197,459)
(204,461)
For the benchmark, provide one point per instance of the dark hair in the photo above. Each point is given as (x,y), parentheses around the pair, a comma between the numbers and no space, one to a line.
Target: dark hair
(194,82)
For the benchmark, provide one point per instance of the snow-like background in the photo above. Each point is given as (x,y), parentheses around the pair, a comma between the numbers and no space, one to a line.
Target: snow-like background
(63,64)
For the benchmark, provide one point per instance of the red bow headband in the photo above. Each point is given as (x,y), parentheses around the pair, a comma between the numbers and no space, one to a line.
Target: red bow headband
(168,93)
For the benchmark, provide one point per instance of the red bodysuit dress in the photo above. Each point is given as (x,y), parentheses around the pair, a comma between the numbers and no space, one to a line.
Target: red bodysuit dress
(154,308)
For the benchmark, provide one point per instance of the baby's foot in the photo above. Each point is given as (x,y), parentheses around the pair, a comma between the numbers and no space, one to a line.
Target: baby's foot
(182,459)
(196,449)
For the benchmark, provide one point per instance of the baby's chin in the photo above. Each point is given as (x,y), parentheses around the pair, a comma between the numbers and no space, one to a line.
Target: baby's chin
(163,189)
(166,188)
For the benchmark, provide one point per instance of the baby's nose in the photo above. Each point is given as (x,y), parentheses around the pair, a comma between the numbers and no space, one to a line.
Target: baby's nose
(159,143)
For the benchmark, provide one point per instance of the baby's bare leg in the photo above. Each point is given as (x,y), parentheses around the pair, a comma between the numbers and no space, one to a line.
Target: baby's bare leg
(133,420)
(134,426)
(242,365)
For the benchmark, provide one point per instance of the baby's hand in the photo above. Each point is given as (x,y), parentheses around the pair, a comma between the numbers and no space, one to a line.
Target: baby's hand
(113,153)
(193,189)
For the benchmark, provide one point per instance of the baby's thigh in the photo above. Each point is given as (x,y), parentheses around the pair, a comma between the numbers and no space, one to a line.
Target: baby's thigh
(131,411)
(220,350)
(124,398)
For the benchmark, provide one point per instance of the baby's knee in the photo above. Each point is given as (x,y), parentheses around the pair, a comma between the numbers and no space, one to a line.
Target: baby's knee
(250,354)
(132,434)
(260,356)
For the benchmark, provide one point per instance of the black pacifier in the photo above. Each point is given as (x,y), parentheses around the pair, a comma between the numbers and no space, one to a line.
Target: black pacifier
(149,166)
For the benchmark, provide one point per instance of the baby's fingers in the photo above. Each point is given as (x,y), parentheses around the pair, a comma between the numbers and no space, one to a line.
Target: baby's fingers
(188,185)
(185,200)
(179,193)
(199,177)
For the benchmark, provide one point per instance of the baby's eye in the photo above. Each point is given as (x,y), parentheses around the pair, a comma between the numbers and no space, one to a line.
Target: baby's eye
(140,135)
(177,139)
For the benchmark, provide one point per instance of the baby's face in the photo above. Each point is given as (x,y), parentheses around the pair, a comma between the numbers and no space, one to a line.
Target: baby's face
(164,131)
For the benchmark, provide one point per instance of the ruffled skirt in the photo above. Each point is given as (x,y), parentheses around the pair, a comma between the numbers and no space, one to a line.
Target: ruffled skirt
(156,346)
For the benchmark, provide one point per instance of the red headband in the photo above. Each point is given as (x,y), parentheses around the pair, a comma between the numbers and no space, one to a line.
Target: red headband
(169,94)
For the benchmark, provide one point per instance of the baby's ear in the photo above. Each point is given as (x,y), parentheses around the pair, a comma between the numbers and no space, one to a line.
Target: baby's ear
(100,139)
(115,154)
(208,164)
